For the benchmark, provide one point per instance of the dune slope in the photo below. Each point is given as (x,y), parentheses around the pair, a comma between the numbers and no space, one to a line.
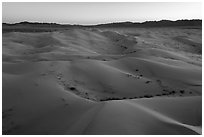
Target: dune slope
(84,81)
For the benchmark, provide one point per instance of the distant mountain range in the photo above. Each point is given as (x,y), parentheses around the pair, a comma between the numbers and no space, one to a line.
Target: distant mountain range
(36,26)
(161,23)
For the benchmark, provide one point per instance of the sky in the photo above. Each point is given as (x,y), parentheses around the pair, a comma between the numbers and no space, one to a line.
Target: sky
(88,13)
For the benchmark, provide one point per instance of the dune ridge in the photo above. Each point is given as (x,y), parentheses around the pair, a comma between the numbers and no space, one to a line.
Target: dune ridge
(102,81)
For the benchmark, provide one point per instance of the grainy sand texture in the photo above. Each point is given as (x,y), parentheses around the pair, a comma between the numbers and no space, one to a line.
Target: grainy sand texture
(102,81)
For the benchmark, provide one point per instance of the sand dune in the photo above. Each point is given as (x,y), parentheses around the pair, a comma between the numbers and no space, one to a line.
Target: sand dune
(116,81)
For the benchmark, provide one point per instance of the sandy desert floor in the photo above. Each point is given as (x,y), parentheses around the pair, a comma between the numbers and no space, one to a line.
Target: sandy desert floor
(103,81)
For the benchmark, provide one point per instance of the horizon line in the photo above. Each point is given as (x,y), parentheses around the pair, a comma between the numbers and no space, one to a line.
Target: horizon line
(97,23)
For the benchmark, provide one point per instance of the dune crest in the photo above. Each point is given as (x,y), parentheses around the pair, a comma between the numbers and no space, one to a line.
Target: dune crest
(108,81)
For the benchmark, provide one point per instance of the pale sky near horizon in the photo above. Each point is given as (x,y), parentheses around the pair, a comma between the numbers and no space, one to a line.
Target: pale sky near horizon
(95,13)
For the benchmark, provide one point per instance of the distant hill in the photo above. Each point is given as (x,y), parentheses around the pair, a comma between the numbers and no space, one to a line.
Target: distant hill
(43,27)
(34,27)
(162,23)
(36,24)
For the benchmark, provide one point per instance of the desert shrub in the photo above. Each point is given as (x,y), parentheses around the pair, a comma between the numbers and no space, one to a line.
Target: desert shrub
(148,96)
(147,82)
(182,91)
(72,88)
(173,92)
